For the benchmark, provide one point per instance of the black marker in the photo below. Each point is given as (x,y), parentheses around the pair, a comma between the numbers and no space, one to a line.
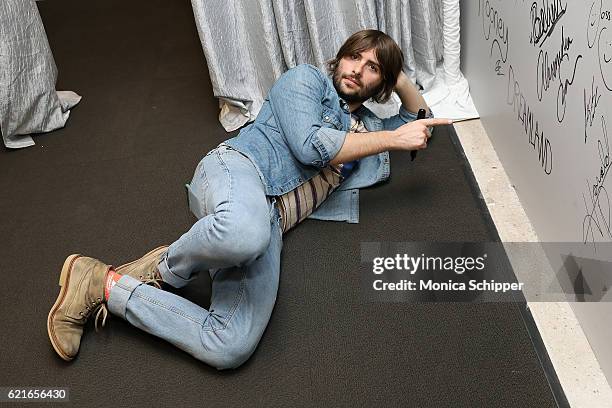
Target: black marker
(420,115)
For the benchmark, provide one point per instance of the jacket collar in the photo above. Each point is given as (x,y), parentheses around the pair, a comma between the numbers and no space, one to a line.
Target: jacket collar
(370,120)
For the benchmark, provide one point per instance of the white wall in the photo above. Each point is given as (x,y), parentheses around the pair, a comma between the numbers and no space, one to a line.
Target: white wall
(540,75)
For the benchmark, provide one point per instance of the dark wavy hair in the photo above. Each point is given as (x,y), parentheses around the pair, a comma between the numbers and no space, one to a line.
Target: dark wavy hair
(388,53)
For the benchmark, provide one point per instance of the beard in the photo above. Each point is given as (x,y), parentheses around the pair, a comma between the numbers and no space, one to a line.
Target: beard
(359,94)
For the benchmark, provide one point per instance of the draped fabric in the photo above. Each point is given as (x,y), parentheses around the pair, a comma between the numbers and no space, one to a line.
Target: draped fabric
(29,102)
(248,44)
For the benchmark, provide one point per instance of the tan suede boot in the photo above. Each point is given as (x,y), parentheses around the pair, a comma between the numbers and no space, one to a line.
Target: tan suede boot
(145,268)
(82,293)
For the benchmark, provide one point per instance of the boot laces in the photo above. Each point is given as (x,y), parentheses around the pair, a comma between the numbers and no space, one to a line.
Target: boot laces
(101,314)
(153,281)
(99,307)
(152,278)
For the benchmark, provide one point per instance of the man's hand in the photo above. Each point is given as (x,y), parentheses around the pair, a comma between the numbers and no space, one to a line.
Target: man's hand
(414,135)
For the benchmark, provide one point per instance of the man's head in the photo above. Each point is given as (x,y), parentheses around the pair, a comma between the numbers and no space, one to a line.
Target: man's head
(366,66)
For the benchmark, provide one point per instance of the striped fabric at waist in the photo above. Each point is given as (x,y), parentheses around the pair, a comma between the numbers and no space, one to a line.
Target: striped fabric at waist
(299,203)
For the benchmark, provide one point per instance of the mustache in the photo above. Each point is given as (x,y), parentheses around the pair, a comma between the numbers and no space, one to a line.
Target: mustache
(352,78)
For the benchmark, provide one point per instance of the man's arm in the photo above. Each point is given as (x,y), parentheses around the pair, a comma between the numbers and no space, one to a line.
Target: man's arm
(412,101)
(410,136)
(407,136)
(411,98)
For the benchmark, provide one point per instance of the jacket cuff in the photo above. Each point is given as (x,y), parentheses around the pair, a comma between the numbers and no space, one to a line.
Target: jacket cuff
(328,143)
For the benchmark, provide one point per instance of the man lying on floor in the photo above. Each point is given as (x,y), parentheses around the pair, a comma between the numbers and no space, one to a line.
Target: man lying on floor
(313,142)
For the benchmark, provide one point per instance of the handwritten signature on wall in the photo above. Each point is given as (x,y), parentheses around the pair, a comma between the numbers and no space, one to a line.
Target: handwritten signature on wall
(596,222)
(544,18)
(591,101)
(596,33)
(548,72)
(530,125)
(494,25)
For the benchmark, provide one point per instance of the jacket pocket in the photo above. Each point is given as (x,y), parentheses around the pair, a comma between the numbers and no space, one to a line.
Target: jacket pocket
(331,119)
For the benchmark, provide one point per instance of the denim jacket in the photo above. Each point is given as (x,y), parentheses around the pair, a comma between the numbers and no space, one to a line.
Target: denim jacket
(300,128)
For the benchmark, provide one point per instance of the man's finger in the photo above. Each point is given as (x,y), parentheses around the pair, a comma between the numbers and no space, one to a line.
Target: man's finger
(435,121)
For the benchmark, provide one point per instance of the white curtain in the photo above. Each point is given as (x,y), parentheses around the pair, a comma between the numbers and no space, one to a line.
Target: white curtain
(29,102)
(248,44)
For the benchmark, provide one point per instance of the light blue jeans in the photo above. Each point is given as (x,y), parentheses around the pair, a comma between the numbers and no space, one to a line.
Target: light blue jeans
(239,243)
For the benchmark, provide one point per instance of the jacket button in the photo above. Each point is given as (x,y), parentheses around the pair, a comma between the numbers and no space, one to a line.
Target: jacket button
(327,118)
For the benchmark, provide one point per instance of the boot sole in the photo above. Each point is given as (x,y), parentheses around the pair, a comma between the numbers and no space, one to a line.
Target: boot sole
(118,269)
(63,283)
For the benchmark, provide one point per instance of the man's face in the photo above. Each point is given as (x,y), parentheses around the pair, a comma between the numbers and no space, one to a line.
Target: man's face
(357,77)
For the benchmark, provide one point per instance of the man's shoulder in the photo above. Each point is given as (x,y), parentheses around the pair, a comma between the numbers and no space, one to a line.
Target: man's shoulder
(305,68)
(302,78)
(307,71)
